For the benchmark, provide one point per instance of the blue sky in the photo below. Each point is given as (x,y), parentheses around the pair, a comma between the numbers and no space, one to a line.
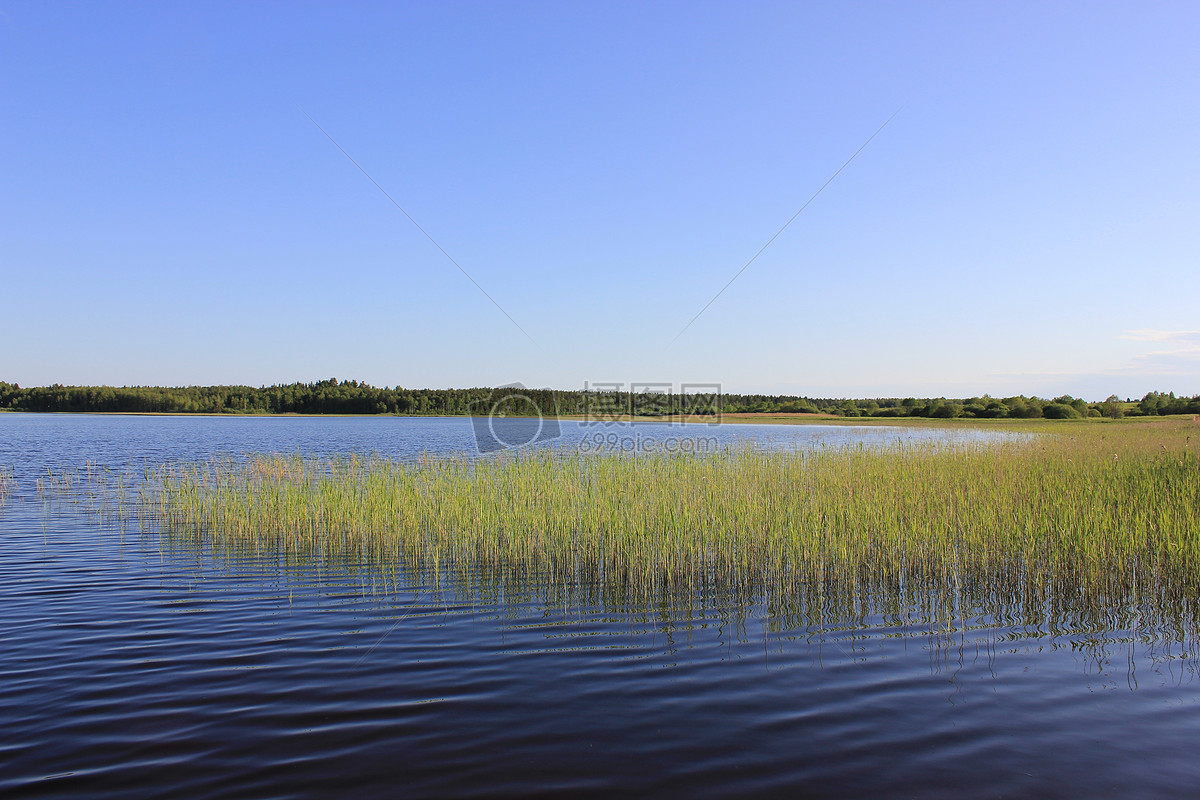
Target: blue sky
(1027,223)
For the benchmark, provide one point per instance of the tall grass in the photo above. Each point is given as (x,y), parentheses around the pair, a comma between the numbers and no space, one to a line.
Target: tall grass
(1098,525)
(8,484)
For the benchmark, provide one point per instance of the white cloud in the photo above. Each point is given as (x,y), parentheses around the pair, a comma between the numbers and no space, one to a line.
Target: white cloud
(1178,353)
(1170,361)
(1154,335)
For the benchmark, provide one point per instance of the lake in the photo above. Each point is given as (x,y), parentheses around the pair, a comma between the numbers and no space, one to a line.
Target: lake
(133,665)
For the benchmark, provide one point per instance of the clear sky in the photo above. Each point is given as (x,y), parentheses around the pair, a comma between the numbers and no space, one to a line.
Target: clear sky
(1029,221)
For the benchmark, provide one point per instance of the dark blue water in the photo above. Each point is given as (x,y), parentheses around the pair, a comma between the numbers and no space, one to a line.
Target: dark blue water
(130,666)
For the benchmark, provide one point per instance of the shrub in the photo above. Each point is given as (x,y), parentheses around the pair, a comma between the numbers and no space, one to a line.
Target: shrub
(1059,411)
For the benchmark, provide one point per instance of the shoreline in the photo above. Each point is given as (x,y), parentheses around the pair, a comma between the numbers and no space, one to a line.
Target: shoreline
(735,418)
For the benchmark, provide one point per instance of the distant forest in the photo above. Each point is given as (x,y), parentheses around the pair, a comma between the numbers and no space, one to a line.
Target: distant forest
(353,397)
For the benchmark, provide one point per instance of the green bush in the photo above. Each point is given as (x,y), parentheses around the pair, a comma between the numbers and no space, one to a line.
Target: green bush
(1060,411)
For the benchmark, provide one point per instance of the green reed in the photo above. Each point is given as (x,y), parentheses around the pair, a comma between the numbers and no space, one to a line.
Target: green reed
(1094,524)
(8,484)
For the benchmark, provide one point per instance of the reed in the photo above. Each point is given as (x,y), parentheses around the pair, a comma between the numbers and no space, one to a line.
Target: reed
(8,484)
(1098,524)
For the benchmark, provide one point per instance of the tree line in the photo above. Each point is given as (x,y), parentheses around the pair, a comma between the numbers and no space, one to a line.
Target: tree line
(354,397)
(986,407)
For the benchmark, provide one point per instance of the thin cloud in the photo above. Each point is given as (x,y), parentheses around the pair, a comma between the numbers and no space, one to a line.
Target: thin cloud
(1181,361)
(1155,335)
(1177,354)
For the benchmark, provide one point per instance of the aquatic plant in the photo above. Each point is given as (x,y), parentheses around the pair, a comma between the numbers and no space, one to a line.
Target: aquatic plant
(8,484)
(1097,524)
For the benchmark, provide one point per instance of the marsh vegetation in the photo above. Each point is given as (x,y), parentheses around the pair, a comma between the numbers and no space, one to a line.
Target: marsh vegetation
(1088,526)
(1076,527)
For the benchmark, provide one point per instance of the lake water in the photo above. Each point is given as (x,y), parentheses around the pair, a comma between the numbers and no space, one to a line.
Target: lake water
(130,666)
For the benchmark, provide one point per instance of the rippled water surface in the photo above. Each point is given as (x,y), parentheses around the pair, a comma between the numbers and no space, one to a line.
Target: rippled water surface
(131,666)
